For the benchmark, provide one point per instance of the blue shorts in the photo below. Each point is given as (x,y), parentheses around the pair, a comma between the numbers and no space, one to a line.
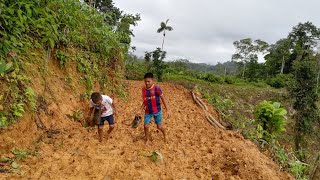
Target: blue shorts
(110,120)
(157,118)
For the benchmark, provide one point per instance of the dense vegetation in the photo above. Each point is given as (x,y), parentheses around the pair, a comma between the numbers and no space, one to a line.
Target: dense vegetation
(54,29)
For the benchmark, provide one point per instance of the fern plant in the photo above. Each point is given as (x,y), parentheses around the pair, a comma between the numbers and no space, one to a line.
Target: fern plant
(31,97)
(62,57)
(18,109)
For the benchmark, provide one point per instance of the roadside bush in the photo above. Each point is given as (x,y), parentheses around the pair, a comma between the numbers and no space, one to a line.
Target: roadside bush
(229,80)
(279,81)
(213,78)
(270,116)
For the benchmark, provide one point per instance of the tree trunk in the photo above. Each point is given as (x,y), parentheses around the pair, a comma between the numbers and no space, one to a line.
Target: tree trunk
(298,135)
(318,80)
(164,35)
(91,3)
(318,77)
(282,65)
(315,174)
(244,69)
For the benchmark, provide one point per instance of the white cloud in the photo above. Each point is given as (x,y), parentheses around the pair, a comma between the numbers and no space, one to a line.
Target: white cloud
(204,30)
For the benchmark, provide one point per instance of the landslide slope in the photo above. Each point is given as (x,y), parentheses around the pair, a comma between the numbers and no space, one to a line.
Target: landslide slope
(67,150)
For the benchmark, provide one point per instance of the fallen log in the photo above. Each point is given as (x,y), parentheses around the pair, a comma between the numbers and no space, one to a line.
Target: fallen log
(209,117)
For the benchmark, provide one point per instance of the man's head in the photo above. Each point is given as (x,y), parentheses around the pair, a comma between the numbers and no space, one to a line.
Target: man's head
(96,98)
(148,80)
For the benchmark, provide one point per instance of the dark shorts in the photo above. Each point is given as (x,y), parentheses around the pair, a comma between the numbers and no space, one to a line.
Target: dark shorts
(110,120)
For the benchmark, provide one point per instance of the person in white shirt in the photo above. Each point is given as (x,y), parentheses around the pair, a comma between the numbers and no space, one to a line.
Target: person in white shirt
(104,105)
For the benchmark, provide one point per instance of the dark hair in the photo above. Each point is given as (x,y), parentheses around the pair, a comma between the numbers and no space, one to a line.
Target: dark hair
(148,75)
(96,97)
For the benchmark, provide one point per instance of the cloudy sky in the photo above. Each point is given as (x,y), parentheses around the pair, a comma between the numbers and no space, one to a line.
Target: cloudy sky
(204,30)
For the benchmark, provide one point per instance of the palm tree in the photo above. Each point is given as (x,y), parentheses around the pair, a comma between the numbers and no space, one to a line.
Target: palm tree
(163,28)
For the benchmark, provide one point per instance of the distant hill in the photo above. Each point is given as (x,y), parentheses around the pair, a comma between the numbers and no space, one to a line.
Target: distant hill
(220,68)
(230,67)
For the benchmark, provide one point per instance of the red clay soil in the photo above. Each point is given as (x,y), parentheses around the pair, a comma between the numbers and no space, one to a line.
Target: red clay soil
(195,149)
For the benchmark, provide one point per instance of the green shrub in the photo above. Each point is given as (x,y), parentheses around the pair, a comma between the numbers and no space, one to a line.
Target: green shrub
(229,80)
(213,78)
(259,83)
(31,98)
(57,23)
(5,67)
(298,169)
(135,69)
(281,155)
(271,117)
(279,81)
(62,57)
(3,120)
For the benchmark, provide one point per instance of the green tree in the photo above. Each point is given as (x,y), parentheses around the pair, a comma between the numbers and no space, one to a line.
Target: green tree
(124,30)
(113,14)
(156,58)
(303,89)
(277,60)
(163,28)
(304,36)
(247,50)
(318,69)
(180,65)
(303,92)
(255,70)
(147,58)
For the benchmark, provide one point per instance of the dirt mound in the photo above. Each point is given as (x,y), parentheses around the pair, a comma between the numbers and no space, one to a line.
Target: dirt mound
(195,149)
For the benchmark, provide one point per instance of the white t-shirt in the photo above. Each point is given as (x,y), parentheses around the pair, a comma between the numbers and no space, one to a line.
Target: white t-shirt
(106,109)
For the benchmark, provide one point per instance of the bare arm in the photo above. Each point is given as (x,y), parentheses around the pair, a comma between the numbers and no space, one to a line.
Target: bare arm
(114,108)
(165,104)
(142,107)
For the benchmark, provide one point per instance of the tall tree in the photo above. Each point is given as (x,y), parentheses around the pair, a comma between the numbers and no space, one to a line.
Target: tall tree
(114,14)
(179,64)
(124,30)
(303,91)
(318,69)
(163,28)
(255,70)
(156,57)
(304,36)
(147,58)
(304,94)
(247,50)
(277,60)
